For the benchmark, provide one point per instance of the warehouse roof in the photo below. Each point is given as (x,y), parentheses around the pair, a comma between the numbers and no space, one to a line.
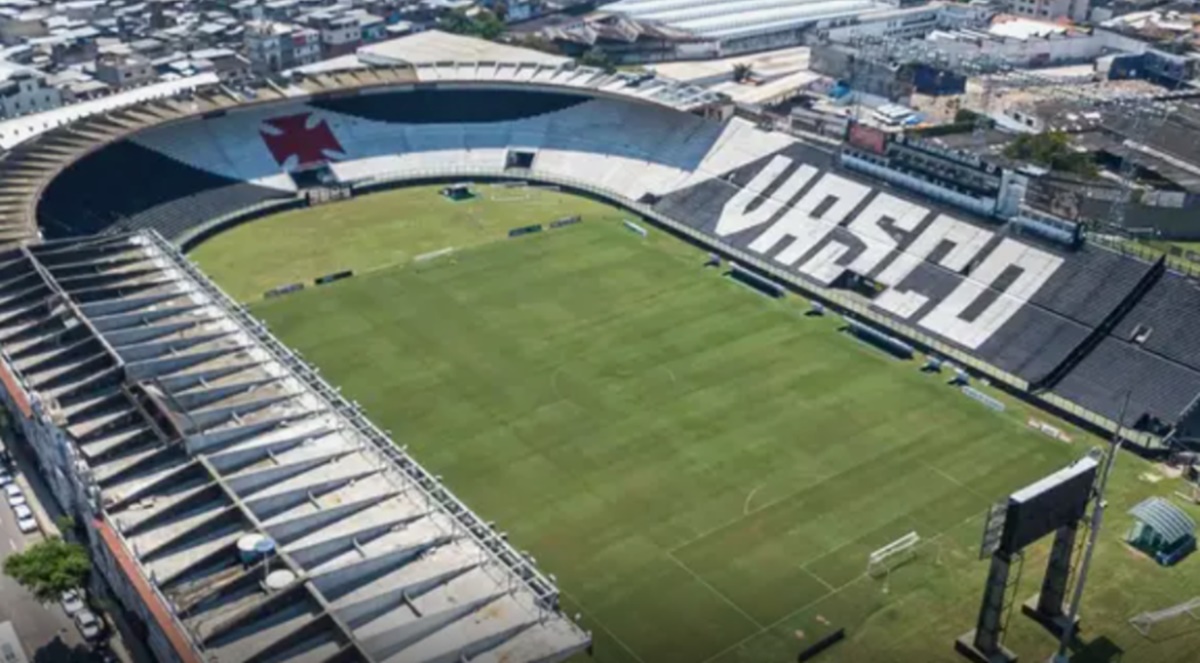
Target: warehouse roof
(736,18)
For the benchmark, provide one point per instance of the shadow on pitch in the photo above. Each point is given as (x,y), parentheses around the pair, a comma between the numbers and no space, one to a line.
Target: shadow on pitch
(1097,650)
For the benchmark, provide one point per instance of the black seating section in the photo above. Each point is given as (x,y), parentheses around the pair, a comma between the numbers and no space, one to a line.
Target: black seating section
(1033,342)
(1158,387)
(1171,313)
(1090,284)
(108,190)
(436,106)
(175,218)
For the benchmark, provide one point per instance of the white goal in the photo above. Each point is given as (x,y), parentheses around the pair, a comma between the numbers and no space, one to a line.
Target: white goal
(1144,621)
(510,192)
(883,560)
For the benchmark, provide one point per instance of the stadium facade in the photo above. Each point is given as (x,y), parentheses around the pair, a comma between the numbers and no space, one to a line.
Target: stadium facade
(206,459)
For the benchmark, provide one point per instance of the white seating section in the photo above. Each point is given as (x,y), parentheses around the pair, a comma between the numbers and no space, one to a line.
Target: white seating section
(629,149)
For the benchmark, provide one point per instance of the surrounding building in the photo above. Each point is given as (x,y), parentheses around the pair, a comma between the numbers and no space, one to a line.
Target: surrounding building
(624,39)
(228,65)
(123,71)
(24,91)
(273,46)
(1075,10)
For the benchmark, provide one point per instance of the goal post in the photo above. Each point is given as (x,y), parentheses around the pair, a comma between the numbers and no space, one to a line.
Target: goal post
(1144,621)
(510,192)
(883,560)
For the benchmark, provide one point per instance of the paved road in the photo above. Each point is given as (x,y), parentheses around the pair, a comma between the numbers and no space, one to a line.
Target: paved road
(48,634)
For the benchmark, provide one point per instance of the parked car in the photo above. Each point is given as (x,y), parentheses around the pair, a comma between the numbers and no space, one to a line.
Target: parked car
(25,520)
(88,624)
(15,494)
(72,601)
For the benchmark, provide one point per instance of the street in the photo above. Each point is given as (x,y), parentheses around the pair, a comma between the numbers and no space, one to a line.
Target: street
(48,634)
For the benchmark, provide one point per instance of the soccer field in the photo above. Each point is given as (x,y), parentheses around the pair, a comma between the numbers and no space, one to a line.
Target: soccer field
(703,469)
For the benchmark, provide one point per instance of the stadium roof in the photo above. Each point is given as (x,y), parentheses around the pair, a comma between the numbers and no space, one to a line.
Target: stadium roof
(22,128)
(435,46)
(727,19)
(205,439)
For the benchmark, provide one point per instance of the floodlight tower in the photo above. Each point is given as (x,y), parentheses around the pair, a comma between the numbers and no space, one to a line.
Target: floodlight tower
(1098,506)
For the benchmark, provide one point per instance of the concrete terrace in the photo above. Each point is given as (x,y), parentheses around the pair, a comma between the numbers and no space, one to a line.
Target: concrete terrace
(198,430)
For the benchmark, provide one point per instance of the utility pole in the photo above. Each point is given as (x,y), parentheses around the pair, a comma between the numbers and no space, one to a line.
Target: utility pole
(1068,631)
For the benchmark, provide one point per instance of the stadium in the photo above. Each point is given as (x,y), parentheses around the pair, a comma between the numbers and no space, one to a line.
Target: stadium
(244,509)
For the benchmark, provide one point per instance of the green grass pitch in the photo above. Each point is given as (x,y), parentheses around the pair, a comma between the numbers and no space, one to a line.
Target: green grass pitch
(704,469)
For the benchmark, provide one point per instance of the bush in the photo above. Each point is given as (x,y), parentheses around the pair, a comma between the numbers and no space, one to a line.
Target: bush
(1053,150)
(598,59)
(484,24)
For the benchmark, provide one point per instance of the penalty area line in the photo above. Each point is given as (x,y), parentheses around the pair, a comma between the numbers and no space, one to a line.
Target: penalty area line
(790,615)
(583,611)
(714,590)
(749,498)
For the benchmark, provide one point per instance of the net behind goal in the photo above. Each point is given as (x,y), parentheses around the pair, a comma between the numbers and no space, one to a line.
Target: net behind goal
(510,192)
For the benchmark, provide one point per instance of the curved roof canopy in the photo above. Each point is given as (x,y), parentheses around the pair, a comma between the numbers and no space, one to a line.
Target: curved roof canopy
(1167,519)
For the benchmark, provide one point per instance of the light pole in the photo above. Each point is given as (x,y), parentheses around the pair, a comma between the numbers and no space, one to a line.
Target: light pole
(1068,631)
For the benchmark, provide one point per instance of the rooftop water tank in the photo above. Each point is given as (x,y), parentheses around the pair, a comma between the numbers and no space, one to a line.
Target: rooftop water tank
(281,579)
(253,547)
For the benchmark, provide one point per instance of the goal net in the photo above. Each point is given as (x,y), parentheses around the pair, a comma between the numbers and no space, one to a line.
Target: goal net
(892,555)
(510,192)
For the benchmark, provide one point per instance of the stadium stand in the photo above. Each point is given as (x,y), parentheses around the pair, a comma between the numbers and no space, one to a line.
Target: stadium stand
(1168,317)
(1156,386)
(129,186)
(274,520)
(189,428)
(1005,302)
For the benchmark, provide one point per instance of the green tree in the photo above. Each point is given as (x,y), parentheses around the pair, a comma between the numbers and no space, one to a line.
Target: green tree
(457,22)
(483,24)
(741,72)
(488,25)
(1053,150)
(598,59)
(65,523)
(49,568)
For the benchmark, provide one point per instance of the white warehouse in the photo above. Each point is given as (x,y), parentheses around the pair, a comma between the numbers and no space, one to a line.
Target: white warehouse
(749,25)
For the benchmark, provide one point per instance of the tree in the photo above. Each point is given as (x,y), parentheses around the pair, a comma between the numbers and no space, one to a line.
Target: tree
(488,25)
(49,568)
(742,72)
(65,523)
(1053,150)
(484,24)
(598,59)
(456,21)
